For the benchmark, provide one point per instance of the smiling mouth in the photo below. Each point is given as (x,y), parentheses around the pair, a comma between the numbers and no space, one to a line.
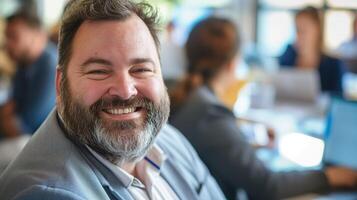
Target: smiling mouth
(122,111)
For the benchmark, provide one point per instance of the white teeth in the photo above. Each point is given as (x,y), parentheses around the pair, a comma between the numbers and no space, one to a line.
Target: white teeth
(120,111)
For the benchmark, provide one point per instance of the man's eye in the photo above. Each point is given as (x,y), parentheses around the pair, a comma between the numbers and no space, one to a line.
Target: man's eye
(140,70)
(97,72)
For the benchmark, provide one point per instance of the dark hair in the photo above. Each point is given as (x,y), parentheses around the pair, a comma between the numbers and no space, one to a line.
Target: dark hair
(212,44)
(29,18)
(310,11)
(313,13)
(78,11)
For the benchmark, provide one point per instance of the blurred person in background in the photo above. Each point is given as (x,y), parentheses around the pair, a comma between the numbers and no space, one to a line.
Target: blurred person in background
(212,51)
(6,66)
(307,51)
(348,50)
(33,86)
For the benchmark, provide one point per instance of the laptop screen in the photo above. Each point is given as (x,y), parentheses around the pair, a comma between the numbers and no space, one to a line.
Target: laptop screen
(294,84)
(341,134)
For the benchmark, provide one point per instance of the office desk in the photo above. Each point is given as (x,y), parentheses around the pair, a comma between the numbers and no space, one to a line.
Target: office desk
(288,118)
(285,117)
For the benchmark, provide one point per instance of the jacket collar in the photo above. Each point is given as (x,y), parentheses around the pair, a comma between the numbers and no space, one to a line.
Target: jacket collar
(174,177)
(112,186)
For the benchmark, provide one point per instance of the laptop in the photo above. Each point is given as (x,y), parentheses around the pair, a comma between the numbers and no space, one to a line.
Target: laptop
(341,134)
(340,141)
(340,146)
(294,84)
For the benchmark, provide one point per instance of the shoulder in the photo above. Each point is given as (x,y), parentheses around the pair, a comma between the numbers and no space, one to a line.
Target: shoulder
(48,59)
(288,57)
(48,160)
(204,117)
(330,58)
(178,149)
(330,62)
(212,110)
(203,104)
(182,157)
(290,48)
(172,141)
(45,192)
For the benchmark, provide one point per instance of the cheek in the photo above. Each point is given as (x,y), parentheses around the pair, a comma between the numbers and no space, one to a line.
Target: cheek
(87,92)
(152,89)
(24,41)
(13,46)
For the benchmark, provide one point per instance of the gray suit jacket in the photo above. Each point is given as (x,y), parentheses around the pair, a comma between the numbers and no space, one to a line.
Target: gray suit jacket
(212,130)
(53,167)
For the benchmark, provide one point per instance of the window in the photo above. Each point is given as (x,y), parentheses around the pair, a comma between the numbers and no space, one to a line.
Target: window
(291,4)
(275,31)
(338,28)
(275,23)
(343,3)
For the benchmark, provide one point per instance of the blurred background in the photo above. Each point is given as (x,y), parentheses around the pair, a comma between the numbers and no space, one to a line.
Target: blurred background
(266,27)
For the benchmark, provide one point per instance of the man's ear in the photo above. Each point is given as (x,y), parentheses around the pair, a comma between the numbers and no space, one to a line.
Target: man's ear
(59,76)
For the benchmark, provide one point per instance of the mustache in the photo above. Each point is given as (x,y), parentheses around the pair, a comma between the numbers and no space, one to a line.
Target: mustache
(117,102)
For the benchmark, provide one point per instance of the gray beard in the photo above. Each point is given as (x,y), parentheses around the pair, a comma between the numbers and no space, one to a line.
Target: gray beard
(118,141)
(124,148)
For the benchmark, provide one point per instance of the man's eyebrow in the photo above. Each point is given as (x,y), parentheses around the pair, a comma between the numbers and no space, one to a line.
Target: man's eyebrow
(142,60)
(96,60)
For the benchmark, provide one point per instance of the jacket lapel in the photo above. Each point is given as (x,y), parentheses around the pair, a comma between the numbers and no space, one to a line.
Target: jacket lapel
(174,178)
(113,187)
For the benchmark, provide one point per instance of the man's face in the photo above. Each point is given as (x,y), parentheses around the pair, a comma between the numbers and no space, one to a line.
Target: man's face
(114,98)
(19,38)
(307,32)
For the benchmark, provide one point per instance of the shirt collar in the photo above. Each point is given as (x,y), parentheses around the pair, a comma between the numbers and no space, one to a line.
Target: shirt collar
(155,157)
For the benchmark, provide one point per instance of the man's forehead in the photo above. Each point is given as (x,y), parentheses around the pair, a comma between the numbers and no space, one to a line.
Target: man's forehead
(126,29)
(16,26)
(18,22)
(127,22)
(108,36)
(124,32)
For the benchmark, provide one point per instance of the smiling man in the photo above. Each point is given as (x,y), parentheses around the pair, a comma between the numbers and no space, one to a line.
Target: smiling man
(108,137)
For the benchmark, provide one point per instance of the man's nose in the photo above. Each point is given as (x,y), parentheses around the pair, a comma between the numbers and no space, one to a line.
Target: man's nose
(123,86)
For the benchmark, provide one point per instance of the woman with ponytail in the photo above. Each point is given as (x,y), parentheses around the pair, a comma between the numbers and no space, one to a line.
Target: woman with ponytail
(199,113)
(211,51)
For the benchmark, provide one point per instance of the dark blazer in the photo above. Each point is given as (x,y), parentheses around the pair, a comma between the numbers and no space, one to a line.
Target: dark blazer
(330,69)
(53,167)
(212,129)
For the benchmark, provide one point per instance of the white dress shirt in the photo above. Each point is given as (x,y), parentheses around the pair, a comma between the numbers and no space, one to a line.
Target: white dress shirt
(152,186)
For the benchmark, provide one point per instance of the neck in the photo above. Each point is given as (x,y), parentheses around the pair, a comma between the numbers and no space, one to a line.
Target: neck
(217,88)
(129,167)
(308,61)
(219,84)
(132,170)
